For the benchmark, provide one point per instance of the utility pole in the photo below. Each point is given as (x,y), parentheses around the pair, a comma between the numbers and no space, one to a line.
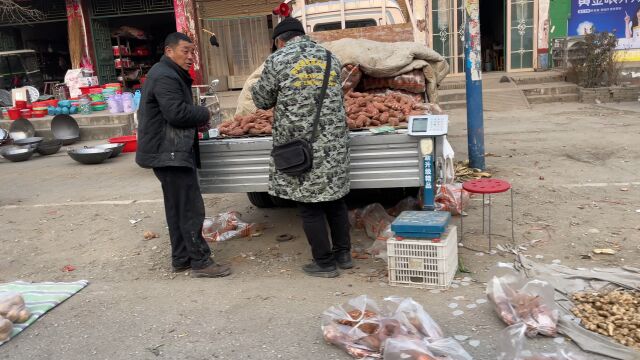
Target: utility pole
(473,74)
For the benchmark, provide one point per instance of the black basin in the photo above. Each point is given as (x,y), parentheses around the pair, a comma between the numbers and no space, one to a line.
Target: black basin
(17,154)
(21,129)
(116,149)
(90,156)
(30,141)
(65,127)
(49,147)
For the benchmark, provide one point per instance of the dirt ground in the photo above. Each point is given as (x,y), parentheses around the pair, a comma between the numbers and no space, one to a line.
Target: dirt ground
(574,169)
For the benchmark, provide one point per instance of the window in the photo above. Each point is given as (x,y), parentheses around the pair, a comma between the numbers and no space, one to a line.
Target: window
(350,24)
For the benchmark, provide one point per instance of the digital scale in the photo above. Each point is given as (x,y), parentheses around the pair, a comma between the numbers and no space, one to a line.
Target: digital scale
(430,128)
(428,125)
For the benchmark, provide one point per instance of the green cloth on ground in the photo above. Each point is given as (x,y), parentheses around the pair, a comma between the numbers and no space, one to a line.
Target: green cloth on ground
(40,298)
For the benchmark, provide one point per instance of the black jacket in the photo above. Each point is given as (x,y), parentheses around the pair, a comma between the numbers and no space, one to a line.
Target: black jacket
(168,119)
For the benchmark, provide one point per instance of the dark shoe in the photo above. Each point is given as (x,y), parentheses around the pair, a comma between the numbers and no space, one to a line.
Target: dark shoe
(344,260)
(181,268)
(314,269)
(211,271)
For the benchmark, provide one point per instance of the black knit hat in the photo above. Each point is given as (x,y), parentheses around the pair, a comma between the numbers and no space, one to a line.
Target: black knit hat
(288,24)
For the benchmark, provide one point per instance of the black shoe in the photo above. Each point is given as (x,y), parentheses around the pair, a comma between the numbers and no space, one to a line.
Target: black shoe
(314,269)
(344,260)
(211,271)
(181,268)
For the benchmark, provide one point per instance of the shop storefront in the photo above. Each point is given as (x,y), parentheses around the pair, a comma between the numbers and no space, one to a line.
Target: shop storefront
(128,37)
(510,32)
(47,37)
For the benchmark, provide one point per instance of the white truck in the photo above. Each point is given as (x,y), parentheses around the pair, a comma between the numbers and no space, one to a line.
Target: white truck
(396,160)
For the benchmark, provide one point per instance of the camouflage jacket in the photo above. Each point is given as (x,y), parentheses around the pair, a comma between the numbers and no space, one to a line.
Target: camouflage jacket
(291,81)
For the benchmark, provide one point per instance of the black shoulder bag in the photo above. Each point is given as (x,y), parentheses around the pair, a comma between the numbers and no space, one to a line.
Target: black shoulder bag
(295,158)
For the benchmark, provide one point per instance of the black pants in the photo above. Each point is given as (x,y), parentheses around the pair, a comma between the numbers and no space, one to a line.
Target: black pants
(184,209)
(315,217)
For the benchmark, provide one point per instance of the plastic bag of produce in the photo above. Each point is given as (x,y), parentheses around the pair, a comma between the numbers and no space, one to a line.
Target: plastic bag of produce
(519,300)
(12,307)
(353,327)
(226,226)
(412,81)
(452,198)
(399,329)
(414,317)
(512,346)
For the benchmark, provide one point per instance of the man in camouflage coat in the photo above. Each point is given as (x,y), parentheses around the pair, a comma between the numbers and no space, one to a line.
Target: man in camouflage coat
(290,82)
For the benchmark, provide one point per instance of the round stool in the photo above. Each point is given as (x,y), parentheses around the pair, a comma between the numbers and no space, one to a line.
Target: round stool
(488,187)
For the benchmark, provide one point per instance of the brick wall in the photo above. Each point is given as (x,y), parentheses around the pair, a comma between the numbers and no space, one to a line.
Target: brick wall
(612,94)
(387,33)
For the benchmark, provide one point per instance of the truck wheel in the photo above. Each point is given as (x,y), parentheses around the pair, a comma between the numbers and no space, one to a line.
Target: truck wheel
(260,200)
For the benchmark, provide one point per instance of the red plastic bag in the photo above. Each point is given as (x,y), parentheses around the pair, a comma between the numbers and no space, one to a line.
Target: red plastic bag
(452,198)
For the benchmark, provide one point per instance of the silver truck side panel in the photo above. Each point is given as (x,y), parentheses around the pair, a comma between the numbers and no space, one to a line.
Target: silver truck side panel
(242,165)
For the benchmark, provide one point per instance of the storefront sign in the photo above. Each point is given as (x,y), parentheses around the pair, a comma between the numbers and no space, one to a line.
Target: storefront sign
(621,17)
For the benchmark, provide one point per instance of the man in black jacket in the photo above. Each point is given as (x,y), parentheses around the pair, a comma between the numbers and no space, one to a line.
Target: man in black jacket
(168,143)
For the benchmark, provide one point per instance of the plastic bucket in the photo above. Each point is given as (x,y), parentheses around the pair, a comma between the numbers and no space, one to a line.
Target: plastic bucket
(130,142)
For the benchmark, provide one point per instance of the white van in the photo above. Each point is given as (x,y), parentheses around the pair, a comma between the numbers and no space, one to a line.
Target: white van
(357,13)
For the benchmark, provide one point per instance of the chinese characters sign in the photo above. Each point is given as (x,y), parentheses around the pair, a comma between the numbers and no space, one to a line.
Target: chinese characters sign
(621,17)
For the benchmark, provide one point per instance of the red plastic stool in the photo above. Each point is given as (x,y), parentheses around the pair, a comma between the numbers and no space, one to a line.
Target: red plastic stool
(488,187)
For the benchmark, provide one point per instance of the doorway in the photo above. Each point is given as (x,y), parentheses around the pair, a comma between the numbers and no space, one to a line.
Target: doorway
(508,30)
(492,31)
(127,46)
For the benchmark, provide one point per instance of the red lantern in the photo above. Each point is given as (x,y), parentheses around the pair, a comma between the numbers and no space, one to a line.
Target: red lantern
(283,10)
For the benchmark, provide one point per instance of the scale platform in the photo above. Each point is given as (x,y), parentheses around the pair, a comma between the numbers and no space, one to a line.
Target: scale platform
(421,224)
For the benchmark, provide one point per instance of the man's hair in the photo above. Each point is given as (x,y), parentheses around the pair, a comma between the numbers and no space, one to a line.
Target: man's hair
(288,35)
(173,39)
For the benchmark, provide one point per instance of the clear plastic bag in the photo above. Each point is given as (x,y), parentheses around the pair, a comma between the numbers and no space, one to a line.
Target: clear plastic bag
(413,315)
(512,346)
(13,308)
(399,328)
(519,300)
(452,198)
(227,226)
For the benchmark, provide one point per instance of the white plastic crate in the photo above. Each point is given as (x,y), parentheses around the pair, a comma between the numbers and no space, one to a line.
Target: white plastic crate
(421,263)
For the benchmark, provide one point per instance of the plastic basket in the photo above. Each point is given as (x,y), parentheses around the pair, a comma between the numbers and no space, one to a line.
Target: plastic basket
(422,263)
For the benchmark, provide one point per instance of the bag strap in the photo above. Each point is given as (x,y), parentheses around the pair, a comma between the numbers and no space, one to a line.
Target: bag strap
(320,99)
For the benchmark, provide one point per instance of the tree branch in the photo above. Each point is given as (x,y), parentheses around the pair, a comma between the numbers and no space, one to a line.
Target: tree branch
(13,13)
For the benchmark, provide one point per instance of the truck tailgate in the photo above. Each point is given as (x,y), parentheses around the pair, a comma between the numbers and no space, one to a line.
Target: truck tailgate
(377,161)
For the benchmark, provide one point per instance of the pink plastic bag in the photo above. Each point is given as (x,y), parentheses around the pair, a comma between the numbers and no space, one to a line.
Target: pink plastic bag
(452,198)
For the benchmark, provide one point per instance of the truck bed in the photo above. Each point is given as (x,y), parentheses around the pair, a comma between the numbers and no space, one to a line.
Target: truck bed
(377,161)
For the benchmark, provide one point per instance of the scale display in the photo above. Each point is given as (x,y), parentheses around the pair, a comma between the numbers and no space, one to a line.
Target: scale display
(428,125)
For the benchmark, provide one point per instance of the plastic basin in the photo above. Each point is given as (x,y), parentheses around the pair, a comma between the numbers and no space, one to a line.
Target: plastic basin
(130,142)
